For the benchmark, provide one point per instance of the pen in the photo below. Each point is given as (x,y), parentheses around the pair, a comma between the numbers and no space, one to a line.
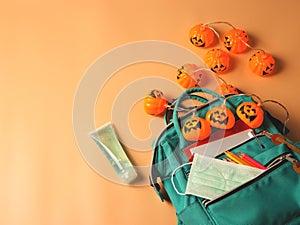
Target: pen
(251,161)
(236,158)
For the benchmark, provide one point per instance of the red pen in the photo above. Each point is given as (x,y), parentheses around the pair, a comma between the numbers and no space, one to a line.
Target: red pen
(251,161)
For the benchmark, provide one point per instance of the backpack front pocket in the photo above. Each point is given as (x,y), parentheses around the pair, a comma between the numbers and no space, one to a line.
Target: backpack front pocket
(270,198)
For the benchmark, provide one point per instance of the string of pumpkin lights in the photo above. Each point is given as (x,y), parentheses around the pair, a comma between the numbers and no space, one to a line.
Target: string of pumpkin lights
(235,41)
(196,128)
(189,76)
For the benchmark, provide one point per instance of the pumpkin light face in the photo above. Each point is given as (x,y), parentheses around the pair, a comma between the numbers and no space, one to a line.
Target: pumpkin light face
(235,39)
(229,89)
(201,36)
(217,60)
(220,117)
(185,78)
(262,63)
(251,114)
(155,103)
(195,129)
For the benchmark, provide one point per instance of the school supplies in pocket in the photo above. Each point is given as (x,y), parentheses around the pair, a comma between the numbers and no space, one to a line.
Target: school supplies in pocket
(210,178)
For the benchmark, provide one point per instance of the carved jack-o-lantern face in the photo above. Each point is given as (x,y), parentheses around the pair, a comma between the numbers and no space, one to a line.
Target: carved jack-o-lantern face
(155,103)
(228,89)
(195,129)
(156,93)
(235,39)
(217,60)
(251,114)
(262,63)
(220,117)
(184,77)
(201,36)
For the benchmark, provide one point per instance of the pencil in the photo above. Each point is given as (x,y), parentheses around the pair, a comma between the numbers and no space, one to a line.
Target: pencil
(236,158)
(251,161)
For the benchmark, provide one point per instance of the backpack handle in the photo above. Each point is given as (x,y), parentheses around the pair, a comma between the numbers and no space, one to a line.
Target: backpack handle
(169,112)
(189,94)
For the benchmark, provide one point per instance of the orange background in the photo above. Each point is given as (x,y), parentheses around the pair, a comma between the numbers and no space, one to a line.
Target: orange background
(45,49)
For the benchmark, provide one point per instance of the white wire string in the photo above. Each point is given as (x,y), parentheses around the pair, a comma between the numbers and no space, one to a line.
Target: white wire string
(261,102)
(233,27)
(287,118)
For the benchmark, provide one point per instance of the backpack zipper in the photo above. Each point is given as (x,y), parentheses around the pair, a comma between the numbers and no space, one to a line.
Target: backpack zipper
(270,167)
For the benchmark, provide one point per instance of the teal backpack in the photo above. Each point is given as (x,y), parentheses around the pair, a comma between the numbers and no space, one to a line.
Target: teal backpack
(271,198)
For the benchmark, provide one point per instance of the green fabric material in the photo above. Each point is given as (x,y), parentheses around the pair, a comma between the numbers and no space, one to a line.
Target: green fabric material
(194,215)
(273,198)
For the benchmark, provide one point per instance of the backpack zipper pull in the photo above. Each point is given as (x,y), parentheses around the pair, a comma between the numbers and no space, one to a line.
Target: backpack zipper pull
(279,139)
(296,164)
(276,161)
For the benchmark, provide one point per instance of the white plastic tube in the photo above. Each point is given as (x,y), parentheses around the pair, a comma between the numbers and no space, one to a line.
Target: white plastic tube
(107,141)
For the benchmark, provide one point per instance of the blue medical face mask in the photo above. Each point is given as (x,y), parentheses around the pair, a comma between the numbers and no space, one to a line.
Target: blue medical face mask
(211,178)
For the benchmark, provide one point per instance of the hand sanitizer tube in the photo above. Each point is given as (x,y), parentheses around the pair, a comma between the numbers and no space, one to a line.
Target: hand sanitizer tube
(106,139)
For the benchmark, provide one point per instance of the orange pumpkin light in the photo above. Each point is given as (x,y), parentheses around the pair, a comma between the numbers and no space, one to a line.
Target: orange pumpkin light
(184,76)
(220,117)
(262,63)
(155,103)
(196,129)
(201,36)
(228,89)
(235,40)
(217,60)
(251,114)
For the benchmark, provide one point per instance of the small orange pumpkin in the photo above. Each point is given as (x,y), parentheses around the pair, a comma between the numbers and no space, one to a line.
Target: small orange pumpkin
(228,89)
(155,103)
(196,129)
(235,39)
(251,114)
(184,77)
(220,117)
(262,63)
(217,60)
(201,36)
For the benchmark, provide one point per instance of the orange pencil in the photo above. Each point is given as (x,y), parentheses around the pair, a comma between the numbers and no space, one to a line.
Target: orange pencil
(236,158)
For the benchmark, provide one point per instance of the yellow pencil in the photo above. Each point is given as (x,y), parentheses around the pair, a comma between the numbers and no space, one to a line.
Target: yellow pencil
(236,158)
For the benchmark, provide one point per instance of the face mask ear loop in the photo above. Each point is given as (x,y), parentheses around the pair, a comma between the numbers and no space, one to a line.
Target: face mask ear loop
(287,118)
(173,174)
